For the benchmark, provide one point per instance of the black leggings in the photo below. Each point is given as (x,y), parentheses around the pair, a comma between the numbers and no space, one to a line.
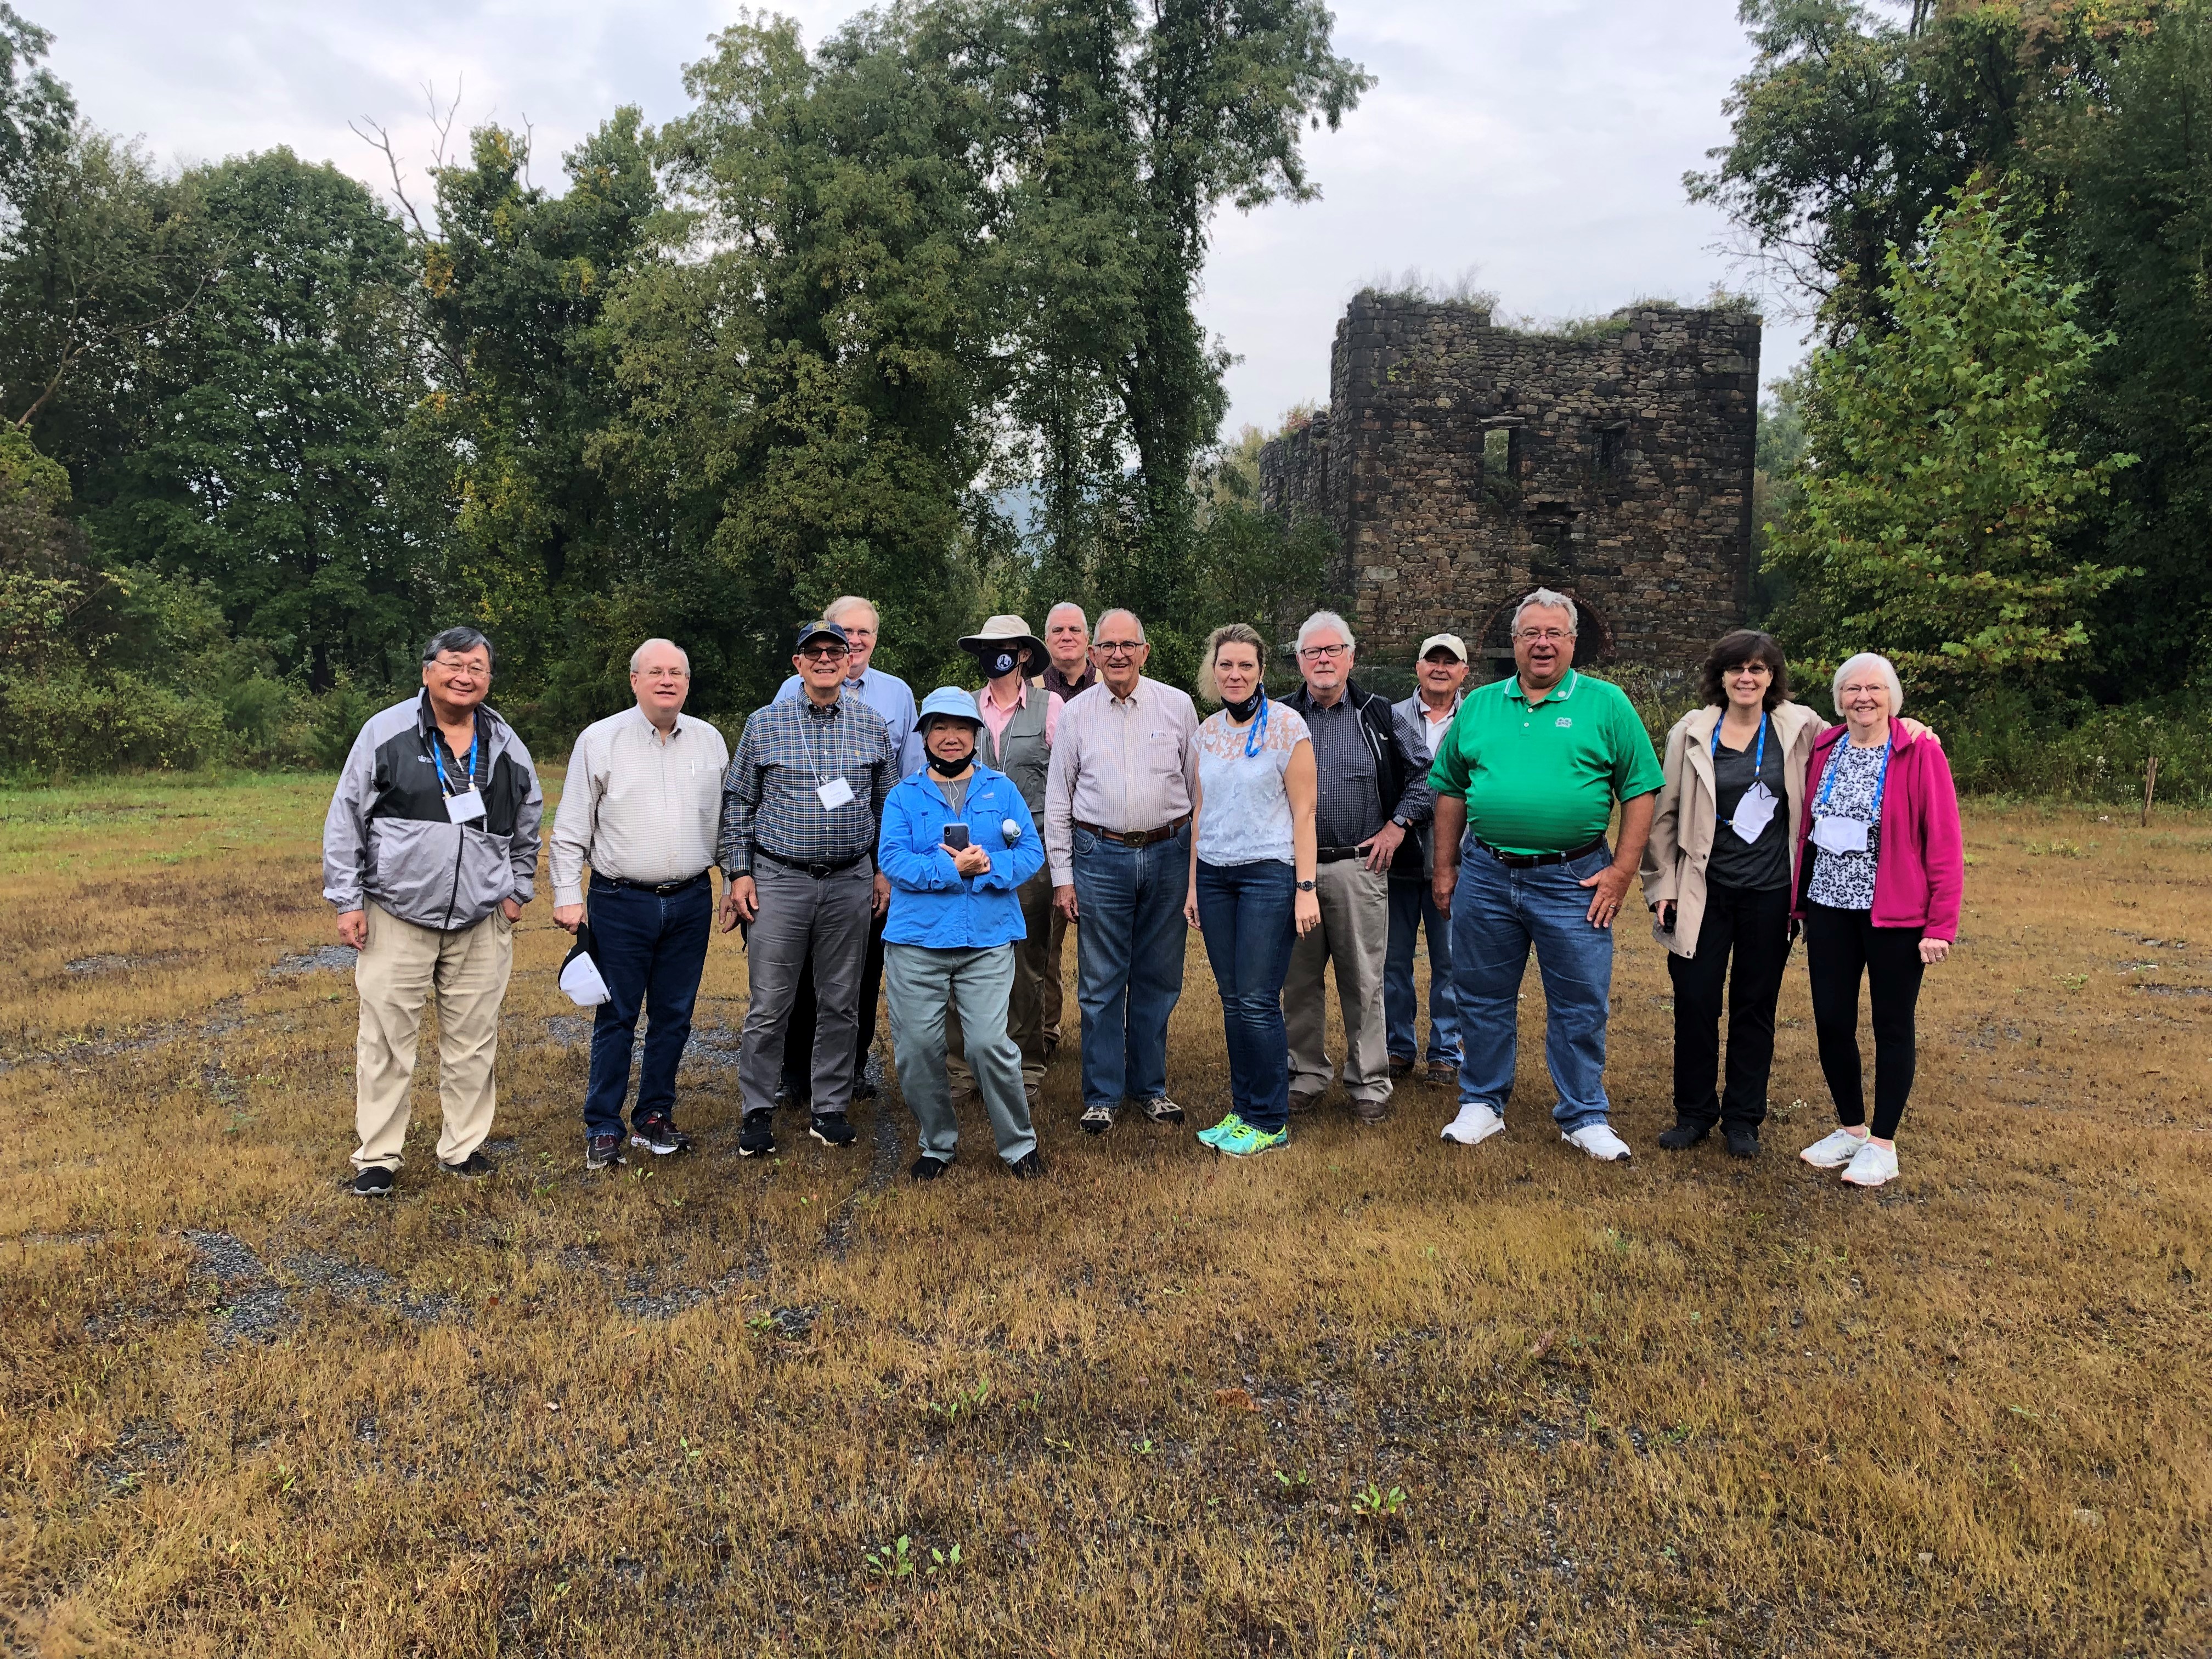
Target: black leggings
(1749,930)
(1841,946)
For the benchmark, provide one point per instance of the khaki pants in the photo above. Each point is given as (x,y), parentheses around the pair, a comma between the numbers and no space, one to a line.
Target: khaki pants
(1354,933)
(1026,1021)
(401,967)
(1055,937)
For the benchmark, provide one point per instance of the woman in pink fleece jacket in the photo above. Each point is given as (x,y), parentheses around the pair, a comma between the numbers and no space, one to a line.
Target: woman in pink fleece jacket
(1880,873)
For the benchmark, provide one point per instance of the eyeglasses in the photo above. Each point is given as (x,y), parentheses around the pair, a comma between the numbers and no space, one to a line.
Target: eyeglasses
(1119,647)
(664,673)
(1321,653)
(1751,668)
(823,653)
(465,665)
(1555,635)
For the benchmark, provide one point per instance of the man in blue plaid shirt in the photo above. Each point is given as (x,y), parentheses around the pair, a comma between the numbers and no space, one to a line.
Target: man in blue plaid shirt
(801,804)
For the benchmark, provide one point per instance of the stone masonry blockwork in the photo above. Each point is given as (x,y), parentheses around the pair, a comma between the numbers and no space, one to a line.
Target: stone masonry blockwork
(1461,465)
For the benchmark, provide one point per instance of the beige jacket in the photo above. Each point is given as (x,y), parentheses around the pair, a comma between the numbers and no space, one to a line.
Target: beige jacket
(1682,828)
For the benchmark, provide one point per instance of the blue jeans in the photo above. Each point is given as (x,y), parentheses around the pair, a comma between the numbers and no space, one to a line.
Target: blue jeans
(1497,913)
(1413,905)
(650,951)
(1247,915)
(1128,962)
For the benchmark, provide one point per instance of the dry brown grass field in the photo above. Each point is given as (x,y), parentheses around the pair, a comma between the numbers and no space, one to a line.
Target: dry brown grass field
(1371,1395)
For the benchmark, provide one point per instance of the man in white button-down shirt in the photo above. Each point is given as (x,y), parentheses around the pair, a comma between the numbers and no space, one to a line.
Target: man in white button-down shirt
(641,806)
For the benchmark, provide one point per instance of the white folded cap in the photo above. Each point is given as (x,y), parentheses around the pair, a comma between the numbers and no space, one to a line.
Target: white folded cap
(579,978)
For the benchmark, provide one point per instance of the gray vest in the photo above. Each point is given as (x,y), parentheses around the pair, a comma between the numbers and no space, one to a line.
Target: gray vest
(1023,754)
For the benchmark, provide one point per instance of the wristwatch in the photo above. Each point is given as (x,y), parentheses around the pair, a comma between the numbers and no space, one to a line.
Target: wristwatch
(1305,887)
(1396,819)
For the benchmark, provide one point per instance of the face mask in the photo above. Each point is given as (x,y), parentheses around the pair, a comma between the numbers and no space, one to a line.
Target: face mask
(996,664)
(1241,712)
(949,769)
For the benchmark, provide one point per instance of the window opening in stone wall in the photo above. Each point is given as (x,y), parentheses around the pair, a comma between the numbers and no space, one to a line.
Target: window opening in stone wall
(1612,452)
(1501,464)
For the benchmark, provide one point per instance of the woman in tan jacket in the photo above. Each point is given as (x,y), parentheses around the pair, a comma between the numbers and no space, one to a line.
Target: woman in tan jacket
(1719,872)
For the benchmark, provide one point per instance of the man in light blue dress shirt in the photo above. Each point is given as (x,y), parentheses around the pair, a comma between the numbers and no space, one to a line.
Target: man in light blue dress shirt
(893,698)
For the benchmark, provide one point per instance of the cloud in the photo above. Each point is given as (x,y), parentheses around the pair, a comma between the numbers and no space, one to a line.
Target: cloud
(1542,141)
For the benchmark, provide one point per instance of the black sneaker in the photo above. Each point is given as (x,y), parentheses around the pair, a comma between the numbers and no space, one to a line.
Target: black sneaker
(1742,1140)
(475,1167)
(927,1168)
(1683,1136)
(1096,1120)
(603,1149)
(1161,1109)
(375,1181)
(1028,1167)
(756,1138)
(831,1129)
(659,1136)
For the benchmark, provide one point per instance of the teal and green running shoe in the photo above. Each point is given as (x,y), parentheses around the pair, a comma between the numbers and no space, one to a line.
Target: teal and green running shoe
(1228,1126)
(1248,1142)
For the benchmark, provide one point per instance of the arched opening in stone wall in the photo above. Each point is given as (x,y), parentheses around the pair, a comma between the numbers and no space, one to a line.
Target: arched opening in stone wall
(1593,637)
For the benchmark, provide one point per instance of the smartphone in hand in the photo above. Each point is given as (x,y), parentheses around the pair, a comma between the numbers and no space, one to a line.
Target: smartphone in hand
(955,836)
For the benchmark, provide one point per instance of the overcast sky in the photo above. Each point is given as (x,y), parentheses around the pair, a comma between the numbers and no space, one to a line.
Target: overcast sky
(1540,143)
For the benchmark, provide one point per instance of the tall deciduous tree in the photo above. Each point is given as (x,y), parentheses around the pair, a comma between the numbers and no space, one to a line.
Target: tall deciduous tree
(1939,487)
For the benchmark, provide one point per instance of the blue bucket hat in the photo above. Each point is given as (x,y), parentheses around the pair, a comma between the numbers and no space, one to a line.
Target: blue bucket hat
(948,700)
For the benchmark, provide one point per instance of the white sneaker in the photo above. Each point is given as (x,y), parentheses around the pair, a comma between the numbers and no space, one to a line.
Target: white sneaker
(1873,1165)
(1475,1124)
(1599,1140)
(1834,1150)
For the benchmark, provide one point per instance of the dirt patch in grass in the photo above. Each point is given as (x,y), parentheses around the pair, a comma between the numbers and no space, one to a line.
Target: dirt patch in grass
(1373,1394)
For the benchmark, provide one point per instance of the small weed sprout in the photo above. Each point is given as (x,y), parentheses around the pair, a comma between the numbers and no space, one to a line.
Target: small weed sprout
(893,1561)
(1377,1504)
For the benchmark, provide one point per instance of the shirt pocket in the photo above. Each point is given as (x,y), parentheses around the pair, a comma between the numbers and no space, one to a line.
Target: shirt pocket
(1164,754)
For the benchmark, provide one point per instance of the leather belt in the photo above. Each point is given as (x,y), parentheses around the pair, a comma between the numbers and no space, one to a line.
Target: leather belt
(1134,838)
(1538,861)
(659,890)
(817,869)
(1336,854)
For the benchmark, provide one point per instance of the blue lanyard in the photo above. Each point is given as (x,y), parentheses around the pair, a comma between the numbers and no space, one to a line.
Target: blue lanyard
(1758,761)
(1881,782)
(438,754)
(1258,734)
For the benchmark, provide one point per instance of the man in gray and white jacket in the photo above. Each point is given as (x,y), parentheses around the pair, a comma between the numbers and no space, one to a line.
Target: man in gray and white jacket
(429,853)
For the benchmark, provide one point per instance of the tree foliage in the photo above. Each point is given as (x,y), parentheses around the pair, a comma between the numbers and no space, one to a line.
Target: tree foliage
(1938,495)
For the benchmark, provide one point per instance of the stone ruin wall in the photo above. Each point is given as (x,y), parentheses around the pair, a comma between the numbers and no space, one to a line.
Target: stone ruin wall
(1623,477)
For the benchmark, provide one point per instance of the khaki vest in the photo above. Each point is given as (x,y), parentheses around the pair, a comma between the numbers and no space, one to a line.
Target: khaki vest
(1023,754)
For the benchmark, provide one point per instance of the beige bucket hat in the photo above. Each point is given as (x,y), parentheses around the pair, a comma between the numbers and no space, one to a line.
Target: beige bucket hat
(1009,630)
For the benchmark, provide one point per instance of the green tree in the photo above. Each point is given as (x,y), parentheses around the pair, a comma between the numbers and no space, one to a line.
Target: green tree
(264,463)
(1937,487)
(36,109)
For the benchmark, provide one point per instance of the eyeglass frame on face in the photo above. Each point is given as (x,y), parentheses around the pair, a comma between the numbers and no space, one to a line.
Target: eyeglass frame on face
(828,651)
(664,674)
(1119,647)
(1323,652)
(1554,636)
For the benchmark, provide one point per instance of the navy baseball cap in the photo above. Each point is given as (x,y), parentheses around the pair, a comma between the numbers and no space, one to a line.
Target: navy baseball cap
(821,630)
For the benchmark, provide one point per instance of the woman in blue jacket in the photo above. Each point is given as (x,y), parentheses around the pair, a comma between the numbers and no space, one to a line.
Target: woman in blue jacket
(957,843)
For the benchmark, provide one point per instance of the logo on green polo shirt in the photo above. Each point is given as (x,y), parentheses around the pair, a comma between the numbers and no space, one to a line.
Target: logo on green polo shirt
(1563,720)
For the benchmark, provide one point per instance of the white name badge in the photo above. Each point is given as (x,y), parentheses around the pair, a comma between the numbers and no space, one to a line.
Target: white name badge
(1753,812)
(1835,835)
(834,794)
(466,809)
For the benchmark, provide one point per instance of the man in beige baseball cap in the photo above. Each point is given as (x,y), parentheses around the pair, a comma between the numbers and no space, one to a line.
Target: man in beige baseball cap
(1019,723)
(1440,669)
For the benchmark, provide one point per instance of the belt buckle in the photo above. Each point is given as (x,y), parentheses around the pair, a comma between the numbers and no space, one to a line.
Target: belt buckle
(1134,839)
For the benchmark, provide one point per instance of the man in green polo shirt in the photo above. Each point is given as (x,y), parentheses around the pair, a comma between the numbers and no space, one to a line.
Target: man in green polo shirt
(1525,782)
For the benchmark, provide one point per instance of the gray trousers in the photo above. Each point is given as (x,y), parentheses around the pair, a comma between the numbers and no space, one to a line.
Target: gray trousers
(921,982)
(824,923)
(1025,1007)
(1354,933)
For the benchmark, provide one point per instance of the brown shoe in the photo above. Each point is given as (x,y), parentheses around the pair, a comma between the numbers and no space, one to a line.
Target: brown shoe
(1442,1074)
(1371,1111)
(1302,1104)
(1401,1066)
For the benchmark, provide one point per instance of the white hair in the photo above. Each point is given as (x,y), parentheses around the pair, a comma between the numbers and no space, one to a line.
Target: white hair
(1118,610)
(837,607)
(638,655)
(1545,599)
(1321,619)
(1869,660)
(1067,604)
